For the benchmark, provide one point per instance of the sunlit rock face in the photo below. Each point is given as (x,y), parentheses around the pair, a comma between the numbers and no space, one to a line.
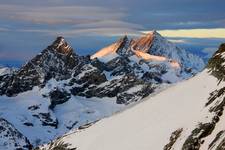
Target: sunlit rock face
(154,48)
(111,49)
(61,46)
(144,43)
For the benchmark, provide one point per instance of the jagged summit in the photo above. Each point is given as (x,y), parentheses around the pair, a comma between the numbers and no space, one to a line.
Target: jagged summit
(61,46)
(144,43)
(152,47)
(111,49)
(56,61)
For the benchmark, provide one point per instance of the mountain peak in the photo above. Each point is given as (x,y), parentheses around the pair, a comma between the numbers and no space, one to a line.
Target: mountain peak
(124,38)
(143,43)
(111,49)
(61,46)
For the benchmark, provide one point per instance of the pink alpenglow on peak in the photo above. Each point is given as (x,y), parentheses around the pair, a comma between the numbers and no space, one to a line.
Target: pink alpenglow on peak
(147,57)
(143,43)
(111,49)
(61,46)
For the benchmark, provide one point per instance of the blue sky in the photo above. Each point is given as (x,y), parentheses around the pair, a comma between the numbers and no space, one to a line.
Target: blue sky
(28,26)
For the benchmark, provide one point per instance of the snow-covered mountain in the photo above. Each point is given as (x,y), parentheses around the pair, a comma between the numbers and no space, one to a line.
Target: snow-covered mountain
(153,43)
(58,90)
(153,47)
(187,116)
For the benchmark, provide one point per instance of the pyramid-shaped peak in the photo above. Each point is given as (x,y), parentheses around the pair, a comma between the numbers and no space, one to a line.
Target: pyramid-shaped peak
(143,43)
(60,45)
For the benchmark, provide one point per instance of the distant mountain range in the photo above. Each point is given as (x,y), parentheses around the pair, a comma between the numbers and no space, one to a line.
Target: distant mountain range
(59,90)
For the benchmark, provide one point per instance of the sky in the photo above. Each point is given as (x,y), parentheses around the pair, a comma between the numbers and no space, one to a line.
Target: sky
(29,26)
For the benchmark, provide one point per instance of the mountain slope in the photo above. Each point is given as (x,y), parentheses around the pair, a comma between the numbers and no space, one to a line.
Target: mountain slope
(149,124)
(189,115)
(58,90)
(153,43)
(153,47)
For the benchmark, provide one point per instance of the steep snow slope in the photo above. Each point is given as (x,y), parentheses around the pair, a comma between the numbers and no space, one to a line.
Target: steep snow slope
(149,124)
(33,118)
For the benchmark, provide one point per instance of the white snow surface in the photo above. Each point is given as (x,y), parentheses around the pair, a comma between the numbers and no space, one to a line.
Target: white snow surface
(77,109)
(149,124)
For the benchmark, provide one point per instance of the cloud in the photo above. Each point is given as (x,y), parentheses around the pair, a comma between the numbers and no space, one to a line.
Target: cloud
(4,29)
(108,32)
(194,33)
(177,40)
(59,14)
(71,20)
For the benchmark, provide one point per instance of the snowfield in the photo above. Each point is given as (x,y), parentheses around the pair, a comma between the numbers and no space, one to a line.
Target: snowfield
(149,124)
(77,111)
